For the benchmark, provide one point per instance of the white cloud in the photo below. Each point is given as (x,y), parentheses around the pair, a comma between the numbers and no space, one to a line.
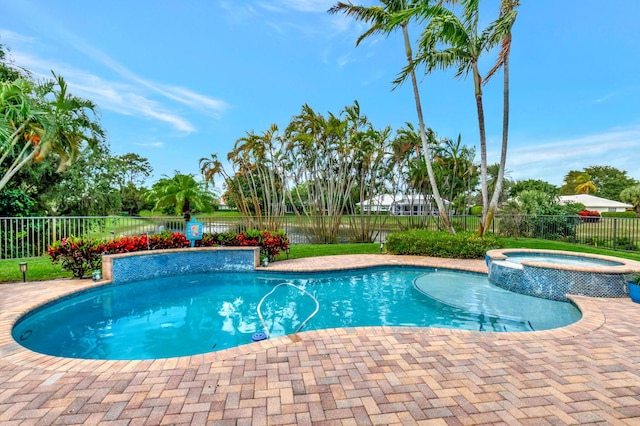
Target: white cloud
(551,160)
(133,95)
(298,5)
(151,144)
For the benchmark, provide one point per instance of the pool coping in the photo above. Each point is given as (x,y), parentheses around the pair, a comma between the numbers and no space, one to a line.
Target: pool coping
(12,352)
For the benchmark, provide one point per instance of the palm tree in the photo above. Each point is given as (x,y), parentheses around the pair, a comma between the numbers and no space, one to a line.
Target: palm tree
(493,176)
(506,7)
(210,167)
(584,184)
(20,132)
(455,160)
(35,126)
(183,194)
(380,19)
(323,152)
(451,40)
(631,195)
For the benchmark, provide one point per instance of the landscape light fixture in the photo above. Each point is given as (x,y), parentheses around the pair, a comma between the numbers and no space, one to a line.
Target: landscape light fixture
(287,251)
(381,246)
(23,269)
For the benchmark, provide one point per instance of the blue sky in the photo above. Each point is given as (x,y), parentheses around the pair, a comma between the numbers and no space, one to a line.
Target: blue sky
(178,80)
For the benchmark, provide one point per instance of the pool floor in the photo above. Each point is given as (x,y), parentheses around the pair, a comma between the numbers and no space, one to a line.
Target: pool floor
(584,373)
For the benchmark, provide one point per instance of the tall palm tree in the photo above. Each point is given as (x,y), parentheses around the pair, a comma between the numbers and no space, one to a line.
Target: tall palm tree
(452,40)
(506,7)
(379,18)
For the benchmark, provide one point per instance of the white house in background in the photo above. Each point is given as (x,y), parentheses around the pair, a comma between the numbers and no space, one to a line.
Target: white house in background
(380,203)
(594,203)
(402,205)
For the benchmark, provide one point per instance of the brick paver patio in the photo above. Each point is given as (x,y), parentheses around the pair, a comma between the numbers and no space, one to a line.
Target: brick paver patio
(586,373)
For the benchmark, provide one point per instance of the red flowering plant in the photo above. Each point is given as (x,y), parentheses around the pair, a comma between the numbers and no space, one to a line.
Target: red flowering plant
(208,240)
(77,255)
(270,243)
(167,240)
(589,216)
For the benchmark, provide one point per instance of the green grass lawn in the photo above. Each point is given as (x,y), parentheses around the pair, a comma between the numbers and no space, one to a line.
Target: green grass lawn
(40,268)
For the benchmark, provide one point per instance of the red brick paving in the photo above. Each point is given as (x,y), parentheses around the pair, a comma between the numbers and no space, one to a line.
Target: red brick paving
(586,373)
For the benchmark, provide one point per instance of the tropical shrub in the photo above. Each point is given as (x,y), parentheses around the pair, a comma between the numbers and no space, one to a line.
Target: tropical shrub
(77,255)
(595,241)
(440,244)
(164,240)
(270,243)
(624,243)
(552,227)
(537,214)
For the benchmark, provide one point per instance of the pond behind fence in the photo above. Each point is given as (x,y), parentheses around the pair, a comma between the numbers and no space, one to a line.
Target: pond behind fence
(22,237)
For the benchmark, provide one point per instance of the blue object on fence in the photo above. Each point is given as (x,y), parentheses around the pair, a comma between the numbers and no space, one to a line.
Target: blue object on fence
(194,231)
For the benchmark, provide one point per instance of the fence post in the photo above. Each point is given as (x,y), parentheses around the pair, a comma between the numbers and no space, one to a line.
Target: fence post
(615,224)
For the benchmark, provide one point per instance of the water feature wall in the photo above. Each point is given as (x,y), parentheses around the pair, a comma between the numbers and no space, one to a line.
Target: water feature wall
(556,280)
(128,267)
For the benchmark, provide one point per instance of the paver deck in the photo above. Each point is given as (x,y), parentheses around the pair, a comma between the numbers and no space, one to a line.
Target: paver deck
(586,373)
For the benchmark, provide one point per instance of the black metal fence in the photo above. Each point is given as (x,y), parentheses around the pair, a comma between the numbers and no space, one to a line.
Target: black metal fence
(22,237)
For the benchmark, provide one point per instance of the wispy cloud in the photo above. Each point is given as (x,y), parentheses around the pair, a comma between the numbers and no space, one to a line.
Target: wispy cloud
(132,95)
(297,5)
(151,144)
(608,96)
(550,160)
(119,97)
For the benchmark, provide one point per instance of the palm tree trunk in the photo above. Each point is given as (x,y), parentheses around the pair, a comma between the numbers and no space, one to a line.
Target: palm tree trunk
(493,206)
(477,81)
(423,137)
(17,165)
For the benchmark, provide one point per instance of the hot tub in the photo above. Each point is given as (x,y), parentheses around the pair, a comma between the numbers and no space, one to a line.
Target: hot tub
(553,274)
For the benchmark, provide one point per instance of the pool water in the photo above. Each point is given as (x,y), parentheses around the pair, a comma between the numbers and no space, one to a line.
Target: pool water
(195,314)
(558,259)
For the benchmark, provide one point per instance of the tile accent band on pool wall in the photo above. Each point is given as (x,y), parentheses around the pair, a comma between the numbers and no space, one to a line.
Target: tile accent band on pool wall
(128,267)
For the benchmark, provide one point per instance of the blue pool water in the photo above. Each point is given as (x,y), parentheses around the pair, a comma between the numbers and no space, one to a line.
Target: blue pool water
(559,259)
(196,314)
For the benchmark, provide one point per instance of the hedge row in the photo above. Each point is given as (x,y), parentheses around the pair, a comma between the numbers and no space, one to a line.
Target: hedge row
(441,244)
(630,215)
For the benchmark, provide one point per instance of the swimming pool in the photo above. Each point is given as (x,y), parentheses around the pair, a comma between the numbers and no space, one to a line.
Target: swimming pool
(192,314)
